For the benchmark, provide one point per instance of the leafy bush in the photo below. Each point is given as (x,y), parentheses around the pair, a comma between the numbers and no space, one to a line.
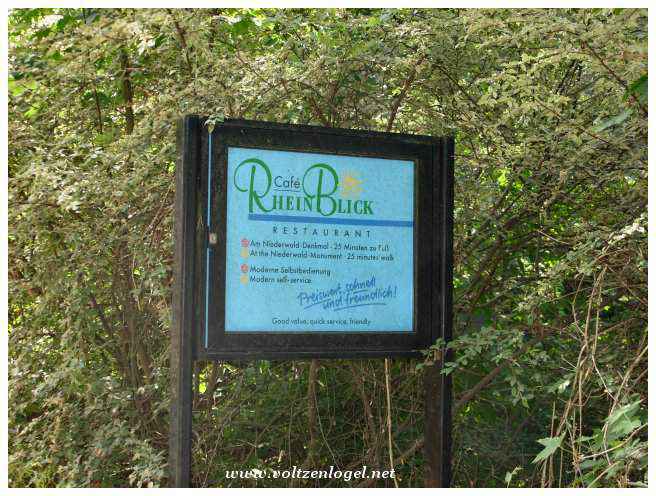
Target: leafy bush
(549,112)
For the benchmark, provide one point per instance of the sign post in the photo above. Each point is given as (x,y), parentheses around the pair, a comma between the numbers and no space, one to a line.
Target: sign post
(182,341)
(296,242)
(437,387)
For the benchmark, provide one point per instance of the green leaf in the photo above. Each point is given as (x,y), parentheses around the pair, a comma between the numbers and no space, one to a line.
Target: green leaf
(592,464)
(509,475)
(623,421)
(213,119)
(373,21)
(551,444)
(638,88)
(503,177)
(32,113)
(613,121)
(624,411)
(623,428)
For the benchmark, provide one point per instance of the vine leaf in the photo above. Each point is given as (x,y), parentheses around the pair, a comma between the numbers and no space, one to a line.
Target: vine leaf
(551,444)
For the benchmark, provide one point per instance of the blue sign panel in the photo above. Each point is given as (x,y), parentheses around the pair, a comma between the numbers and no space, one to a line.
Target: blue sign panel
(318,242)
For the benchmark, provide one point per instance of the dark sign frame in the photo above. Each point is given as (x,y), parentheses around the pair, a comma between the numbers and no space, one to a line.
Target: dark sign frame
(200,244)
(433,170)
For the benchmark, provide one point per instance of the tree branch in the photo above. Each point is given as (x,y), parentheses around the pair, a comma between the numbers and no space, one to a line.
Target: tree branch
(127,92)
(406,86)
(183,40)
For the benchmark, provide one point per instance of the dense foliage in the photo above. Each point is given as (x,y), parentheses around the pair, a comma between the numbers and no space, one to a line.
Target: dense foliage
(549,112)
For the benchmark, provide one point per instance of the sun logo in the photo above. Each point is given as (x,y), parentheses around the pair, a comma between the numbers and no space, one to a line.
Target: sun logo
(350,185)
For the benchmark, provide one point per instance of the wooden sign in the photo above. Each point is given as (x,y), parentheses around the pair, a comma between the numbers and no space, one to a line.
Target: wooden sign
(309,242)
